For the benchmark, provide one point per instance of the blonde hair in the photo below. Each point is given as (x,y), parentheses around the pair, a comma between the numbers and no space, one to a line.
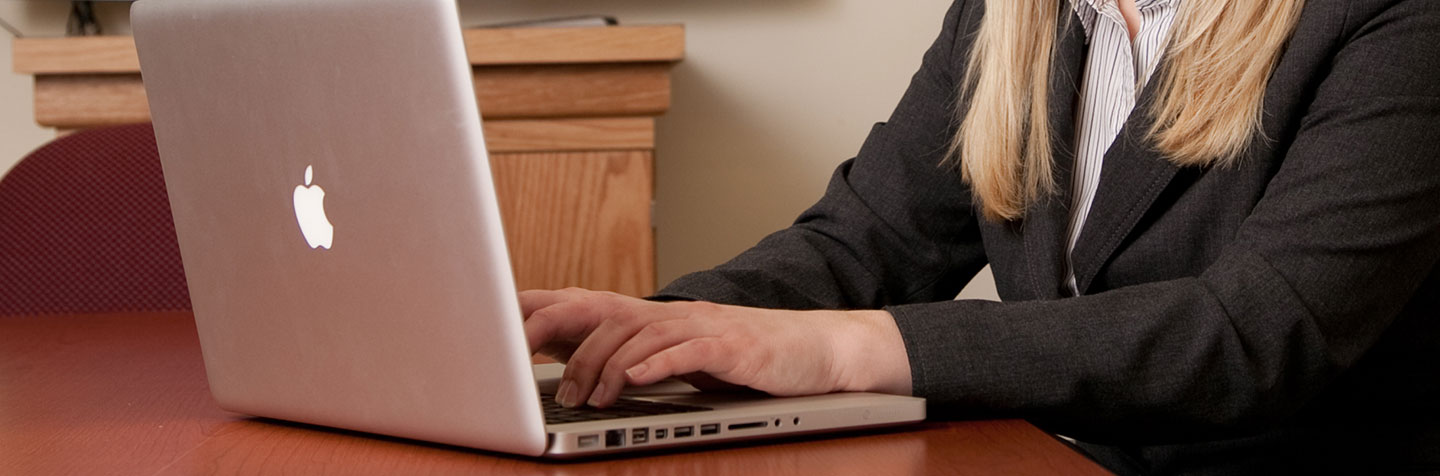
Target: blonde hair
(1206,112)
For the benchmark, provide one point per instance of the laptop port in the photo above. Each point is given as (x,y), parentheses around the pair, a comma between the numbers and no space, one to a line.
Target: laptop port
(745,426)
(684,431)
(614,438)
(639,435)
(588,441)
(660,433)
(709,428)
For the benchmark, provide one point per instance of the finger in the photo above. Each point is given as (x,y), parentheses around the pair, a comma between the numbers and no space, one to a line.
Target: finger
(653,337)
(569,320)
(619,321)
(536,299)
(706,354)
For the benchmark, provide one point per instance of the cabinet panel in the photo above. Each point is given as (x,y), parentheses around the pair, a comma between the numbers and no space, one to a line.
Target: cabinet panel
(579,219)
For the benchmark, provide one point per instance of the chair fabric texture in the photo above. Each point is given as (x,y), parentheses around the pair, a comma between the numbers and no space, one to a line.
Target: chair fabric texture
(85,227)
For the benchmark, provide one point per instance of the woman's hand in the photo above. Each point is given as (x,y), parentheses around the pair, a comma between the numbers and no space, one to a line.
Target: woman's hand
(608,340)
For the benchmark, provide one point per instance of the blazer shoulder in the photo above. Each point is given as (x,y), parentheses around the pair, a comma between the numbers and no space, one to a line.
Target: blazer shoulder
(962,21)
(1362,15)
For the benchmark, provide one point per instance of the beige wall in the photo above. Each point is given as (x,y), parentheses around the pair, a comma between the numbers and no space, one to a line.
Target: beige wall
(773,94)
(18,132)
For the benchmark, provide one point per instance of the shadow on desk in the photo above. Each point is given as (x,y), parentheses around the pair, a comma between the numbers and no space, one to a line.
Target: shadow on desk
(980,447)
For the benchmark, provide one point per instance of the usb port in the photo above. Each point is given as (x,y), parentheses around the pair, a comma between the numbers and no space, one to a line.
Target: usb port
(614,438)
(660,433)
(587,441)
(684,431)
(709,429)
(639,435)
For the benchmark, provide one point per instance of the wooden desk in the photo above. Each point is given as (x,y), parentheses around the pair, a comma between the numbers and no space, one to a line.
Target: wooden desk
(569,119)
(126,394)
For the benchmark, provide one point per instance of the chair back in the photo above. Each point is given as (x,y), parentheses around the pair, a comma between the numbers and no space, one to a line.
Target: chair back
(85,227)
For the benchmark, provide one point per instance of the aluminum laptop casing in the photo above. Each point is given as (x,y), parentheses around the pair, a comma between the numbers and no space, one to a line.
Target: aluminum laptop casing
(409,324)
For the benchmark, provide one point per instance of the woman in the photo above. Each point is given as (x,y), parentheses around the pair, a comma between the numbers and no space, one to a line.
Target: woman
(1212,223)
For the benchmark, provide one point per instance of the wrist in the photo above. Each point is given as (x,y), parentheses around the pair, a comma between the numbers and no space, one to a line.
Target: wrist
(869,354)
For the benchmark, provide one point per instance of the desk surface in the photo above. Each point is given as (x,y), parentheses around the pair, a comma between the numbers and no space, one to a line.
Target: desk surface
(126,394)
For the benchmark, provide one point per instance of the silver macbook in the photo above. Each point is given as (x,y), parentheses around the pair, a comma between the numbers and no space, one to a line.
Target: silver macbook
(339,229)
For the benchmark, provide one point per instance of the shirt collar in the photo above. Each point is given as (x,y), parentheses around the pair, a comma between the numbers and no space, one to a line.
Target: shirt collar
(1089,10)
(1098,4)
(1086,10)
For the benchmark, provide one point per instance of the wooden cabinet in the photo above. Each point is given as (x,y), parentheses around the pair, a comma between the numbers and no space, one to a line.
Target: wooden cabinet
(569,117)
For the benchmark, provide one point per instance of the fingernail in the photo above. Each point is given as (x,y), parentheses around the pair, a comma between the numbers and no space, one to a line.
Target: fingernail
(595,396)
(637,371)
(562,396)
(572,396)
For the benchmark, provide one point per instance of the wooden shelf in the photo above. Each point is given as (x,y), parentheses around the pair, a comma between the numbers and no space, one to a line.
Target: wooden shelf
(84,100)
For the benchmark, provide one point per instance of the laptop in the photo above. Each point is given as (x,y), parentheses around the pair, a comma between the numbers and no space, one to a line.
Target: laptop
(342,243)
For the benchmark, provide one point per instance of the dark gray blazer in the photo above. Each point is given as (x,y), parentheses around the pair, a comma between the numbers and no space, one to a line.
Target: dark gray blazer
(1279,315)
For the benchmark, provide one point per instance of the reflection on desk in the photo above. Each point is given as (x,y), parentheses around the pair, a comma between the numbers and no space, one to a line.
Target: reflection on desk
(126,394)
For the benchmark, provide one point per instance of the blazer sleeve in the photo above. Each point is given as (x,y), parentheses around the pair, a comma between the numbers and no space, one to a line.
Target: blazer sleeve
(869,243)
(1343,238)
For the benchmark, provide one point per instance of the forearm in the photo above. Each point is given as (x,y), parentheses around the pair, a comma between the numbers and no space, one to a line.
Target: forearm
(842,255)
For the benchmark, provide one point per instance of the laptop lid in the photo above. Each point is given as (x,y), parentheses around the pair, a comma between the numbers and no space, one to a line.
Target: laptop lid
(336,216)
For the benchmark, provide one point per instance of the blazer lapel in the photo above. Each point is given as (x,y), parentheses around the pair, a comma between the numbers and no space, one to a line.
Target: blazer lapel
(1132,177)
(1045,223)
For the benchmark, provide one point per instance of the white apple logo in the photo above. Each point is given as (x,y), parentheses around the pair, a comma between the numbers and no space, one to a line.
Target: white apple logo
(310,212)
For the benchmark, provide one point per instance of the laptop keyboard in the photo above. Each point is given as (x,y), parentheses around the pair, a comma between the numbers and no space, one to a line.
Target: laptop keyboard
(622,408)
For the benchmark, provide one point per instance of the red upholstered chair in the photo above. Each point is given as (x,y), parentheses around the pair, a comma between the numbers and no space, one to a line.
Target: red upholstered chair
(85,226)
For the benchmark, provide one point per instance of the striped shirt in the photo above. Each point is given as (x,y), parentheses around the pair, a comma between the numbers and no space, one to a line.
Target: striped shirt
(1116,70)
